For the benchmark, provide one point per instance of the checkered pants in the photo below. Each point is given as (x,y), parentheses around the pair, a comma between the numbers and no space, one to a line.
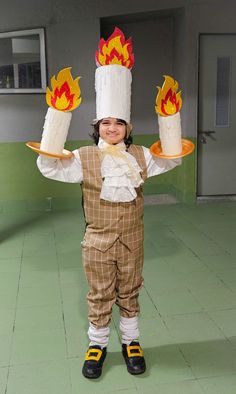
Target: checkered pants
(114,276)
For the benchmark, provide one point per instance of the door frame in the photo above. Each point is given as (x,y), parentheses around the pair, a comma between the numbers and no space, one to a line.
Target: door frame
(200,197)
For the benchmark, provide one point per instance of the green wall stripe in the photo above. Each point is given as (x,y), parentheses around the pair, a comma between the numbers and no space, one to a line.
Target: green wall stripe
(21,180)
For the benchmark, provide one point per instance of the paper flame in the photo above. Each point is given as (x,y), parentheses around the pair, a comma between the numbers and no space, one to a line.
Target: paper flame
(168,101)
(116,50)
(65,94)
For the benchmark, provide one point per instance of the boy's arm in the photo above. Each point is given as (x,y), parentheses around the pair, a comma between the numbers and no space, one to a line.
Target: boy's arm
(63,170)
(156,165)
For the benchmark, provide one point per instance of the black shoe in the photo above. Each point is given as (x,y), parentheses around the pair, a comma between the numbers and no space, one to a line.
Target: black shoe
(134,359)
(94,359)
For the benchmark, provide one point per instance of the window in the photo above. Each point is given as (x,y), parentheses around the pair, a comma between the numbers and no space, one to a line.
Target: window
(223,91)
(22,62)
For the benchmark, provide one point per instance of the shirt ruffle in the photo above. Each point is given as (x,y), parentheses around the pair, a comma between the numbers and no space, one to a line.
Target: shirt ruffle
(121,175)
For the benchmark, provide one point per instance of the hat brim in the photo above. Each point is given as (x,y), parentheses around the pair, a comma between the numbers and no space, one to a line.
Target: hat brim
(129,126)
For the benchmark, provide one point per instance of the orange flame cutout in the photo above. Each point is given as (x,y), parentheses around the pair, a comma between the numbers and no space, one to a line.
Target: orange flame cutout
(168,101)
(65,94)
(115,50)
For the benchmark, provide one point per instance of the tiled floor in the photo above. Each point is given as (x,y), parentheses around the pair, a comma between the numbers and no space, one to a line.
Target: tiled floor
(188,320)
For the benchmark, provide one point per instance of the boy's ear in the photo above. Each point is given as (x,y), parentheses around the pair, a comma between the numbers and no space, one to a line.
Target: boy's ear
(129,129)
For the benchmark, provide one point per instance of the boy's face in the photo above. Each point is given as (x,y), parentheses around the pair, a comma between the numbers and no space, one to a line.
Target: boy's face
(112,130)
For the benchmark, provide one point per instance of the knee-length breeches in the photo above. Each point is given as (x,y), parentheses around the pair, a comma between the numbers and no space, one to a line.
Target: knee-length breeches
(114,276)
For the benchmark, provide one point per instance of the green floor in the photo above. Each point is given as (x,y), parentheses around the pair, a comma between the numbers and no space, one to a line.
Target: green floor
(188,320)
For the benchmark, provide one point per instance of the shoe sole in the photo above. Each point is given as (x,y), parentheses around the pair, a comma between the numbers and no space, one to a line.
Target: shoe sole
(135,373)
(131,371)
(91,377)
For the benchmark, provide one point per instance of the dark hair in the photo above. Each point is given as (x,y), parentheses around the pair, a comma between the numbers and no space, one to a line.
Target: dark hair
(95,134)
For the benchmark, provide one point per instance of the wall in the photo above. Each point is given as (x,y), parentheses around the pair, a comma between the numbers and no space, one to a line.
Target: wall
(20,179)
(23,115)
(72,33)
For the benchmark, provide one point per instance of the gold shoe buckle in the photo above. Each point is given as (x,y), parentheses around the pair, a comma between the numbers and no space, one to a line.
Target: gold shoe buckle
(139,352)
(89,356)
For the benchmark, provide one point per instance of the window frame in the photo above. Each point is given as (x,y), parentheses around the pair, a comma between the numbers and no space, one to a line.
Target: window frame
(23,33)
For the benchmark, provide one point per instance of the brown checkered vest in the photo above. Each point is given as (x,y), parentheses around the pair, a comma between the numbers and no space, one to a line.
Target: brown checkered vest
(106,221)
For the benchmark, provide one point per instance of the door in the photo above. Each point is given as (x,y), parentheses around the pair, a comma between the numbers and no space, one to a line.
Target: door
(217,115)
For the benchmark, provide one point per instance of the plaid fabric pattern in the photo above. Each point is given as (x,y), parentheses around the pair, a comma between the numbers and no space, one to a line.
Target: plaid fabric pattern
(106,221)
(114,276)
(113,242)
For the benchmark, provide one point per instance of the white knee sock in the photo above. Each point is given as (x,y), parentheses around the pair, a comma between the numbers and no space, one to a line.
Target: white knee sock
(98,336)
(129,329)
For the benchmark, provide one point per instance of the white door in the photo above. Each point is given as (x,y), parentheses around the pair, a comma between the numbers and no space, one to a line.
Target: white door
(217,116)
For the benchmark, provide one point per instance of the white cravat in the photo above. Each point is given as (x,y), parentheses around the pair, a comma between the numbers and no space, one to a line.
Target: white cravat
(120,172)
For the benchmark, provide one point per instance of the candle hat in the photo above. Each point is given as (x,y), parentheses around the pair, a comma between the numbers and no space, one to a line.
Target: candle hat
(113,77)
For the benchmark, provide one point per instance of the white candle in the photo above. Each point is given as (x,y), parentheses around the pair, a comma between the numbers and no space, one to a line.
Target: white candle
(113,92)
(170,134)
(55,130)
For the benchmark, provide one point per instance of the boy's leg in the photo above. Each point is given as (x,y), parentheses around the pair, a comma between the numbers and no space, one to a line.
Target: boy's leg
(100,270)
(96,352)
(129,329)
(129,282)
(98,336)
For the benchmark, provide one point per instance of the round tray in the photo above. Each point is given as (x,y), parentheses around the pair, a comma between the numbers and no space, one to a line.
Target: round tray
(187,148)
(35,146)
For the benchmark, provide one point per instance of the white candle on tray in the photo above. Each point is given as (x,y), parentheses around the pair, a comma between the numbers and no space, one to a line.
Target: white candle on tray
(170,134)
(168,105)
(55,130)
(64,97)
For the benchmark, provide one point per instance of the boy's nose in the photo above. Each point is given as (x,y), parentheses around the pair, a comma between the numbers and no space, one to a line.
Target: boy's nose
(112,127)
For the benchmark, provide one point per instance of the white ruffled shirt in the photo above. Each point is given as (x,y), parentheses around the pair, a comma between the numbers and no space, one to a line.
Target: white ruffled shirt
(120,171)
